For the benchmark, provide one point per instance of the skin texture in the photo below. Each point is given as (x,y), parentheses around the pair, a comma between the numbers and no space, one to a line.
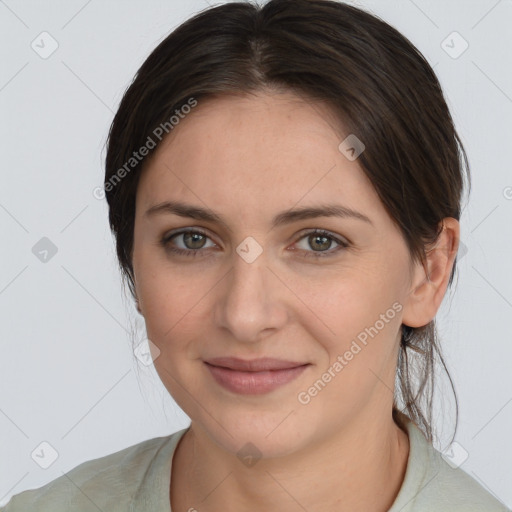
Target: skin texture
(249,158)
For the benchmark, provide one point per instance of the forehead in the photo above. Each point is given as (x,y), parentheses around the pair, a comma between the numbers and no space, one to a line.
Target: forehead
(253,152)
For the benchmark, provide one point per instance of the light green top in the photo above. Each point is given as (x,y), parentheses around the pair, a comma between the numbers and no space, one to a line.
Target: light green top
(138,479)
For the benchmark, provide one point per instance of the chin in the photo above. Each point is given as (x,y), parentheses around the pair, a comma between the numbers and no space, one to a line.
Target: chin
(258,434)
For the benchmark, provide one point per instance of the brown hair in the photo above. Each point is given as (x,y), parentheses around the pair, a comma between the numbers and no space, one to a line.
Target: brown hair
(374,79)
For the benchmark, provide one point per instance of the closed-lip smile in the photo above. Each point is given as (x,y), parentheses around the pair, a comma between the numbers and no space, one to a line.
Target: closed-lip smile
(254,376)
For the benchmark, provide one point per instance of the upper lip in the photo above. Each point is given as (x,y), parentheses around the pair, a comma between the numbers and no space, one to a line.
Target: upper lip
(253,365)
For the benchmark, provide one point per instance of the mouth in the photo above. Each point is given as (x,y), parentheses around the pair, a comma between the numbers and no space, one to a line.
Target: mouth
(255,376)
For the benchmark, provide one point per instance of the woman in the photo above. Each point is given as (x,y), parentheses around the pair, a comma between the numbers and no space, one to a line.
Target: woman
(284,185)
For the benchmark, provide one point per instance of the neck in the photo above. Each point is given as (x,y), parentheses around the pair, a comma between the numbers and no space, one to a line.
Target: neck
(361,469)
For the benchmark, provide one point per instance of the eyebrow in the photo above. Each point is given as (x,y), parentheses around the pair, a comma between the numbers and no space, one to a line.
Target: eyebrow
(282,218)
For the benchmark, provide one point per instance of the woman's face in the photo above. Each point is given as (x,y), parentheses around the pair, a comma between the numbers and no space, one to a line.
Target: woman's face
(248,287)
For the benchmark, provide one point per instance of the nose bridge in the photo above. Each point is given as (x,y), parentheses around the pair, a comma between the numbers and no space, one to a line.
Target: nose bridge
(250,302)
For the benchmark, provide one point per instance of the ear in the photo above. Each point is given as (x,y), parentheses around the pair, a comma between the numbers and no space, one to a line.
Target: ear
(429,281)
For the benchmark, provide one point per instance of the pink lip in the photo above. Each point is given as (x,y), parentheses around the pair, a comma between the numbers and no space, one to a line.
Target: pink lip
(253,377)
(253,365)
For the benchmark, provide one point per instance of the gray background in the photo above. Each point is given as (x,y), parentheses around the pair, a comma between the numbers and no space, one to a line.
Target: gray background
(68,373)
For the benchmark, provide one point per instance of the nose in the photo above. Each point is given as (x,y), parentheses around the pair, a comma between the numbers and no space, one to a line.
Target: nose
(252,302)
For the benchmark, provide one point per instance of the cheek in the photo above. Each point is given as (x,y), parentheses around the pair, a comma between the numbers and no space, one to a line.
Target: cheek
(358,361)
(360,356)
(346,299)
(175,303)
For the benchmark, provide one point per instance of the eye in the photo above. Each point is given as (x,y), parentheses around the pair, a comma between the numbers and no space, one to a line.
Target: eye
(192,242)
(321,241)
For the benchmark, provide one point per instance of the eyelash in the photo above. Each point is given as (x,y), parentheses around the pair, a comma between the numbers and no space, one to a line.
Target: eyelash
(165,241)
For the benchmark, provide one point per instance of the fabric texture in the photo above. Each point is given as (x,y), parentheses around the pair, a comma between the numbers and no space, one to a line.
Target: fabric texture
(138,478)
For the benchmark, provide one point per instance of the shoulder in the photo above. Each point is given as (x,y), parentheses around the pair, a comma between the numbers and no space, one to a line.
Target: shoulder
(106,483)
(432,484)
(457,490)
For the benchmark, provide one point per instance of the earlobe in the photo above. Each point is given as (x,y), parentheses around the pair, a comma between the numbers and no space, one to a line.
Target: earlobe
(430,281)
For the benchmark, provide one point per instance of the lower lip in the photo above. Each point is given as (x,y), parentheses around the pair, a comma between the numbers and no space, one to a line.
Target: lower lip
(253,383)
